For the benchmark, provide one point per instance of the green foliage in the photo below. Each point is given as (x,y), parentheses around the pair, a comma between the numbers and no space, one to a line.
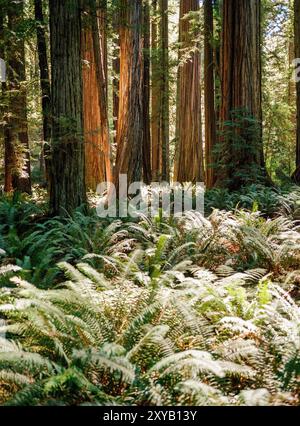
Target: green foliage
(268,200)
(180,311)
(203,342)
(239,152)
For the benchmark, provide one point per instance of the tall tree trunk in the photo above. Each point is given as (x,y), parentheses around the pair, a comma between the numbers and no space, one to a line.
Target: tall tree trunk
(17,155)
(209,89)
(160,92)
(5,131)
(68,171)
(189,152)
(116,70)
(146,97)
(296,175)
(96,129)
(45,84)
(243,162)
(155,98)
(100,53)
(130,120)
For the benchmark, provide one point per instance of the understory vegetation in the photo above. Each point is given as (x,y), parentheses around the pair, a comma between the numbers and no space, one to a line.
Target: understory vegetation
(176,311)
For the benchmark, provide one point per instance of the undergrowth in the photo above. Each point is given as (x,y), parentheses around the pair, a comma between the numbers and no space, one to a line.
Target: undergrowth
(188,311)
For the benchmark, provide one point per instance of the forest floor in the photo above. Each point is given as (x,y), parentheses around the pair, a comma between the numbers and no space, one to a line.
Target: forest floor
(177,311)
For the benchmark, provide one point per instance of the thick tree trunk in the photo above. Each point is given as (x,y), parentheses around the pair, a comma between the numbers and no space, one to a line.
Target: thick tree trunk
(130,130)
(296,175)
(243,161)
(155,98)
(160,92)
(96,129)
(45,84)
(17,155)
(100,53)
(116,72)
(68,174)
(146,97)
(209,89)
(189,152)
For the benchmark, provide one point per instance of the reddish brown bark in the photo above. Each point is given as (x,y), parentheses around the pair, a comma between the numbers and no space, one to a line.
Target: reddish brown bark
(96,131)
(130,119)
(146,97)
(116,71)
(189,151)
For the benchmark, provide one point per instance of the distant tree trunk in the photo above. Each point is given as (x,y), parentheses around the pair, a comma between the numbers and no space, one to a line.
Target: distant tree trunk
(130,120)
(45,84)
(17,153)
(68,174)
(291,100)
(96,129)
(155,99)
(146,97)
(189,152)
(160,92)
(241,91)
(100,52)
(217,8)
(116,72)
(5,130)
(209,89)
(296,175)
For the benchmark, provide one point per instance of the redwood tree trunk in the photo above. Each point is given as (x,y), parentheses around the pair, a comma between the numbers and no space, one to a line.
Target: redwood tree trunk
(209,89)
(45,84)
(96,129)
(68,174)
(160,92)
(116,70)
(146,97)
(189,152)
(296,175)
(242,162)
(17,155)
(130,130)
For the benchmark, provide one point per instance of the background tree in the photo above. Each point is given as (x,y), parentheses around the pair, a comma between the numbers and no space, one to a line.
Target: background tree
(45,83)
(96,128)
(17,155)
(160,92)
(115,10)
(67,153)
(241,109)
(130,119)
(189,153)
(146,97)
(296,175)
(209,89)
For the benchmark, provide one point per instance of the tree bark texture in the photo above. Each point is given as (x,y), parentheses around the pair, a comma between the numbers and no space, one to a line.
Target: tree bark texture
(241,91)
(189,150)
(209,89)
(130,130)
(67,149)
(160,92)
